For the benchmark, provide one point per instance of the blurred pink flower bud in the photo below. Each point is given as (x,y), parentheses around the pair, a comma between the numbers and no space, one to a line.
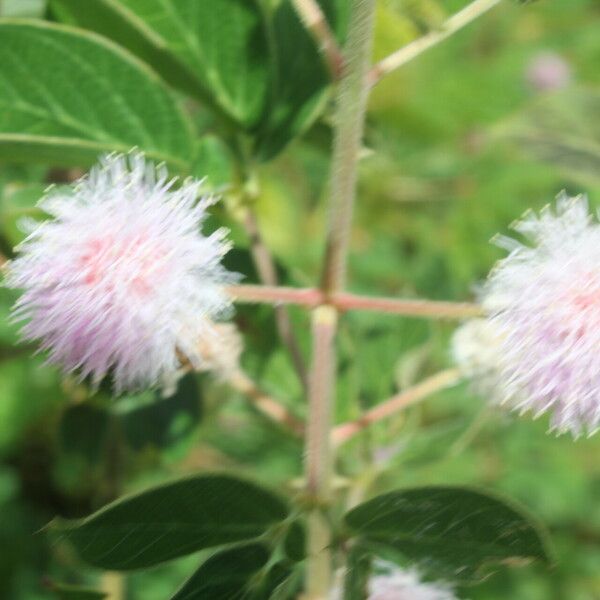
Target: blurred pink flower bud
(548,71)
(121,281)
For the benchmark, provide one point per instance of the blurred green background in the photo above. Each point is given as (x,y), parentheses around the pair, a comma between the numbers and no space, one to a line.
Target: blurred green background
(459,143)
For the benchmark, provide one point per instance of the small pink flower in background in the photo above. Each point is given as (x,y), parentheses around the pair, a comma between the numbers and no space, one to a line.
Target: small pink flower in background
(539,348)
(121,281)
(548,71)
(391,583)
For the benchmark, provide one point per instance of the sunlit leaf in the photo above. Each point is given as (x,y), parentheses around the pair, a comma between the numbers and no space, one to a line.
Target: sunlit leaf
(217,51)
(67,95)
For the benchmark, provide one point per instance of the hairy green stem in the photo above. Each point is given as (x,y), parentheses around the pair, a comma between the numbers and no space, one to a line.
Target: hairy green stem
(348,130)
(318,451)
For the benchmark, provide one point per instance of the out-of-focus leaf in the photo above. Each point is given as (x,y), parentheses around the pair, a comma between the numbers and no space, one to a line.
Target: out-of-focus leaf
(8,331)
(22,8)
(562,130)
(213,161)
(215,50)
(295,541)
(83,430)
(67,95)
(173,520)
(278,583)
(457,533)
(161,421)
(71,592)
(226,575)
(358,568)
(18,202)
(299,79)
(28,391)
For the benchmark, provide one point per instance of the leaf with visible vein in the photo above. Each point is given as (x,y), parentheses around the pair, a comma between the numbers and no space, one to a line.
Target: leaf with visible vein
(67,96)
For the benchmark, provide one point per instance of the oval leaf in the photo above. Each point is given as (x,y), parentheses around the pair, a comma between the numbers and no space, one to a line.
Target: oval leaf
(299,83)
(67,95)
(173,520)
(457,532)
(225,575)
(214,50)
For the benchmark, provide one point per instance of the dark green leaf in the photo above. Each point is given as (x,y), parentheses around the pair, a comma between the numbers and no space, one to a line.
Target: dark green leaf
(161,421)
(300,79)
(280,582)
(214,50)
(226,575)
(83,430)
(67,96)
(72,592)
(173,520)
(358,568)
(457,532)
(295,541)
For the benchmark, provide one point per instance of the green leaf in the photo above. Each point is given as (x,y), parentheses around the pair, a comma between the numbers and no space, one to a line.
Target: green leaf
(173,520)
(280,582)
(22,8)
(294,543)
(68,95)
(561,130)
(213,161)
(83,430)
(72,592)
(226,575)
(18,201)
(214,50)
(358,569)
(456,532)
(300,79)
(150,420)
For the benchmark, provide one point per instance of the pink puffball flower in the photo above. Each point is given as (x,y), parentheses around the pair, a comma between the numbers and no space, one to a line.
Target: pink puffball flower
(391,583)
(547,72)
(121,281)
(542,331)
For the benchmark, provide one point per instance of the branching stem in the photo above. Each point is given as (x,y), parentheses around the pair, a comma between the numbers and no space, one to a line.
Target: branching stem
(395,404)
(265,265)
(342,301)
(414,49)
(316,23)
(267,405)
(351,106)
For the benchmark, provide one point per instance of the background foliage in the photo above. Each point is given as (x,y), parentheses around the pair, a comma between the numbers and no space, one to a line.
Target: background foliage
(458,145)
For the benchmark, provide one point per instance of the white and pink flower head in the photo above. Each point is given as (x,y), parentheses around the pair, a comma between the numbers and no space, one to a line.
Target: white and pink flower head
(121,281)
(389,582)
(541,336)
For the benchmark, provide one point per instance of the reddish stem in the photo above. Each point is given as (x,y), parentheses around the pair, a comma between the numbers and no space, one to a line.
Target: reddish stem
(312,297)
